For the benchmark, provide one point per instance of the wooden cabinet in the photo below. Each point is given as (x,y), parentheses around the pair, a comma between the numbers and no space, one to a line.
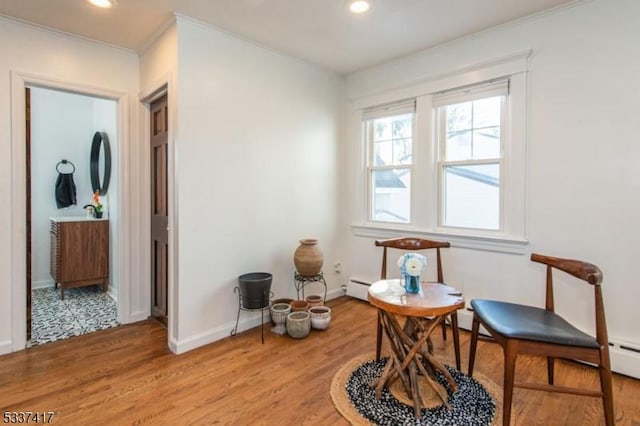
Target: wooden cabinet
(79,253)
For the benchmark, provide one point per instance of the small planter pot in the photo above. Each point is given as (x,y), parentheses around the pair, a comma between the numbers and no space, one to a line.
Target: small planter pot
(281,300)
(314,300)
(298,324)
(299,306)
(320,317)
(279,312)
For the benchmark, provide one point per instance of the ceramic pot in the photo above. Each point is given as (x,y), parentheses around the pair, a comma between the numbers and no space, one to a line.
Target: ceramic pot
(299,306)
(298,324)
(320,317)
(308,258)
(314,300)
(279,312)
(283,300)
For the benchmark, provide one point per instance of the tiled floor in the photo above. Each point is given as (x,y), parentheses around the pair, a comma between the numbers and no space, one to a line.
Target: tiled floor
(83,310)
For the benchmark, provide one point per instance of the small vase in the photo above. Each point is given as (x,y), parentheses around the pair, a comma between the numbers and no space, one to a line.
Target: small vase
(412,284)
(98,215)
(308,258)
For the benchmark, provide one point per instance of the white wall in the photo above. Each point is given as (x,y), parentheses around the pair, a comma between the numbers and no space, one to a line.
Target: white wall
(56,57)
(257,145)
(61,127)
(583,181)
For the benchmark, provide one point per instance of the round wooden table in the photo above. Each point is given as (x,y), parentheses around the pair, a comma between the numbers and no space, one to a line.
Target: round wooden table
(411,348)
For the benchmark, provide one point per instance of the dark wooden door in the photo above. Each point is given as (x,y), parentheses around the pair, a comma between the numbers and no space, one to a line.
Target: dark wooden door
(159,222)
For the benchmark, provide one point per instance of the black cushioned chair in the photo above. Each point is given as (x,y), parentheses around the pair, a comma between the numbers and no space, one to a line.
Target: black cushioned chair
(408,243)
(530,330)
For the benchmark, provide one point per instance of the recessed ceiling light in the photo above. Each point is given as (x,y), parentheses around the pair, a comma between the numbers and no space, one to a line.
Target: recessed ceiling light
(359,6)
(103,3)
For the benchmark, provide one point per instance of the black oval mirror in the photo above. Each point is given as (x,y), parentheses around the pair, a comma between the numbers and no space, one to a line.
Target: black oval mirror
(100,144)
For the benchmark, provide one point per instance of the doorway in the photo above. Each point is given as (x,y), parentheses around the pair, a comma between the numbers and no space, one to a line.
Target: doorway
(159,132)
(60,126)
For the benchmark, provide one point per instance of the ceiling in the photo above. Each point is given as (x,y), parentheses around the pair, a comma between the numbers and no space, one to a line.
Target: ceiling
(319,31)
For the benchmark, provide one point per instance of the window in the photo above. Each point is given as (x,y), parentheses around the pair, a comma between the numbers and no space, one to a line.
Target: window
(449,161)
(470,147)
(389,135)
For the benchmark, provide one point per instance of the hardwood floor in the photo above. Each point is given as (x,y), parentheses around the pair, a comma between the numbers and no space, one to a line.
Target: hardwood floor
(127,375)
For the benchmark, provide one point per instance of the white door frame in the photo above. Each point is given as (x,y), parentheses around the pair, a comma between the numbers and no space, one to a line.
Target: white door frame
(126,287)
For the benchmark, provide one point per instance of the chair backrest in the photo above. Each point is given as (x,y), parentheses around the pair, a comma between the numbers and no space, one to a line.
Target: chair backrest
(585,272)
(409,243)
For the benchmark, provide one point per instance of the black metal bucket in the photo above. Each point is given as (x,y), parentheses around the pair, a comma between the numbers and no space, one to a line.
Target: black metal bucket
(255,289)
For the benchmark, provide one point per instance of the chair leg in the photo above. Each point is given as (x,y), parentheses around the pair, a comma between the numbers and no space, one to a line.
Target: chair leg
(456,338)
(550,369)
(444,329)
(510,356)
(378,338)
(475,328)
(606,387)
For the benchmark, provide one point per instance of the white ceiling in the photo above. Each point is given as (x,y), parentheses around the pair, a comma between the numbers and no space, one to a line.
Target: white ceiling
(319,31)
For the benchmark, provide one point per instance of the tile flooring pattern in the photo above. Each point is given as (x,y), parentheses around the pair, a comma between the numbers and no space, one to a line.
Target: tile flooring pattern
(83,310)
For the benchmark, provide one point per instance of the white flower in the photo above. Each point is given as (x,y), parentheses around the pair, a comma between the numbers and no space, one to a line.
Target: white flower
(412,263)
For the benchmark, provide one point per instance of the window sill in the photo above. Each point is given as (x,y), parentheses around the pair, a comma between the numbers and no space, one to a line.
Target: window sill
(495,243)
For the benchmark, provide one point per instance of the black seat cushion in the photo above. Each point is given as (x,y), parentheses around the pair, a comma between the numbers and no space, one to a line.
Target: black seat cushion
(530,323)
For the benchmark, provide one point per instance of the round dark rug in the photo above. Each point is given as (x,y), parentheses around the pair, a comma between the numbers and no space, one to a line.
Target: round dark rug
(471,405)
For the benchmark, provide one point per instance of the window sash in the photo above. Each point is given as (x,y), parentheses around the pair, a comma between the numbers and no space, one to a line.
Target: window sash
(369,117)
(440,102)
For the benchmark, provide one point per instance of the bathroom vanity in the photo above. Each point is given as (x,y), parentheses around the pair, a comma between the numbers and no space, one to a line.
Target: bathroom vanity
(79,252)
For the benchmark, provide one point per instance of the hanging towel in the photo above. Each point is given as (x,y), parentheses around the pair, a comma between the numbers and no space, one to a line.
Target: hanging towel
(65,190)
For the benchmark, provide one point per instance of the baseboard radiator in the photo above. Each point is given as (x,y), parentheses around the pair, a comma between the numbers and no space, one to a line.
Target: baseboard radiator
(625,356)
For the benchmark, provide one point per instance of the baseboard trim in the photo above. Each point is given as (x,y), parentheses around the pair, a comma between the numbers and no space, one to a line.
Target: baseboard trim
(6,347)
(224,331)
(42,284)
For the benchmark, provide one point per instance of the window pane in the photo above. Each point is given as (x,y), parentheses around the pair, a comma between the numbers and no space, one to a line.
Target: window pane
(382,129)
(402,151)
(472,196)
(392,140)
(401,126)
(391,195)
(459,117)
(486,112)
(458,146)
(383,153)
(486,143)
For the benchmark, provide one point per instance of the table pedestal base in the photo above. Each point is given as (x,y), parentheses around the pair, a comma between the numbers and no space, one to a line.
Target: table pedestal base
(412,360)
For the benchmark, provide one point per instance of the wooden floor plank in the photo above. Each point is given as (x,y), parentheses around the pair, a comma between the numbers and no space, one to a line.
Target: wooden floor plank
(126,375)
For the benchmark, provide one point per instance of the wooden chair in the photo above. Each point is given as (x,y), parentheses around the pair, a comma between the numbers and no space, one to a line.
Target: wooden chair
(530,330)
(407,243)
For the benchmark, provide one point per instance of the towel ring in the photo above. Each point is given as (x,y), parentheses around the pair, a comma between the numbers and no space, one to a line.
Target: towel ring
(100,139)
(63,161)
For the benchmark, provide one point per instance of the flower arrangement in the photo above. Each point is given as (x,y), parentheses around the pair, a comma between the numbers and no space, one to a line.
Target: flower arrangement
(411,264)
(97,206)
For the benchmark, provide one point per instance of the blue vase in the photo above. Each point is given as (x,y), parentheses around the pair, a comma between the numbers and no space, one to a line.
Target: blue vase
(411,284)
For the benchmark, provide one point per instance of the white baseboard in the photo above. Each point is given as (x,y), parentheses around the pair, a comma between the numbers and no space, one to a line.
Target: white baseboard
(224,331)
(625,360)
(6,347)
(42,284)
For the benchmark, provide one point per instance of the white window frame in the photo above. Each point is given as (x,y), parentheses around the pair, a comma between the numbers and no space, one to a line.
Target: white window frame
(407,106)
(511,238)
(475,92)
